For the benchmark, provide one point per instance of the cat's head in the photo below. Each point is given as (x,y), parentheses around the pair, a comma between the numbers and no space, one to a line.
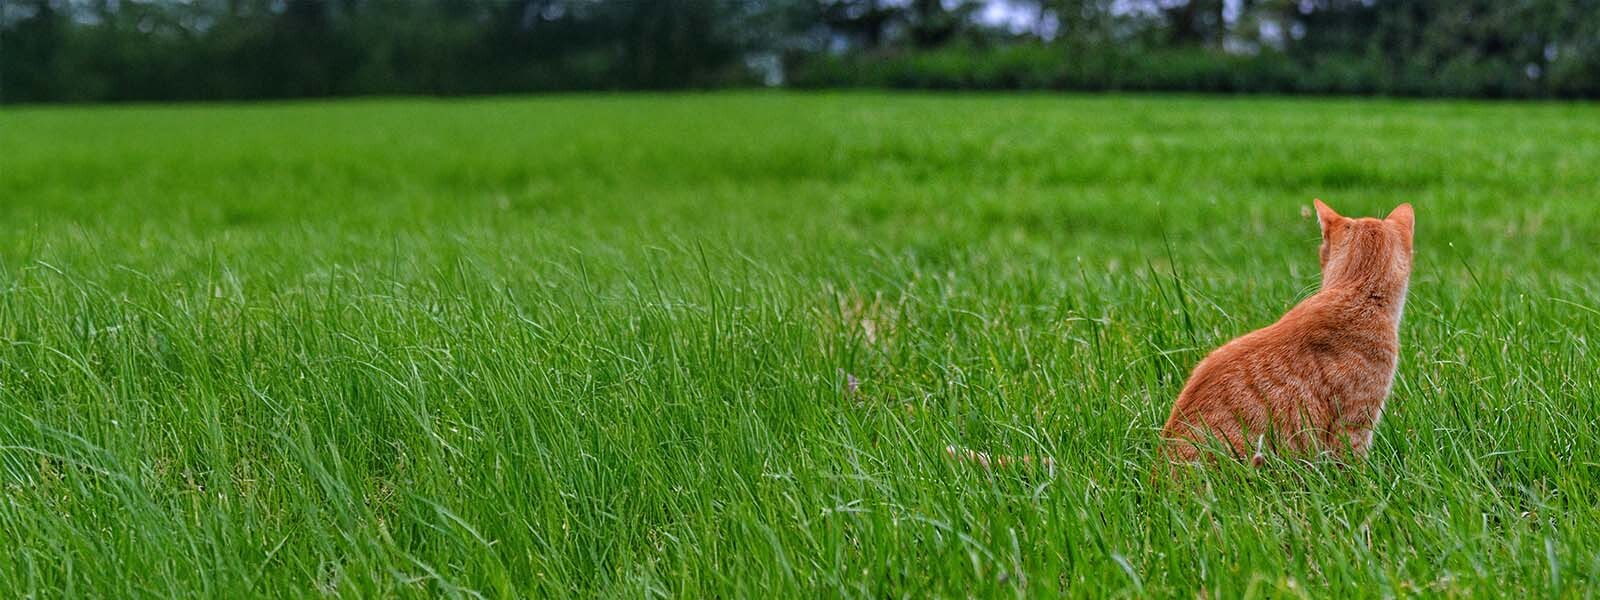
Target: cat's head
(1365,248)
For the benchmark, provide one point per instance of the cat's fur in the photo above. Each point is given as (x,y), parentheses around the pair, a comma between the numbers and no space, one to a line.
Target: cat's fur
(1315,381)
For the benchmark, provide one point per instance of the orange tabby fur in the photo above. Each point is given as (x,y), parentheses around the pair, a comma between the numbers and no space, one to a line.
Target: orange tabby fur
(1315,381)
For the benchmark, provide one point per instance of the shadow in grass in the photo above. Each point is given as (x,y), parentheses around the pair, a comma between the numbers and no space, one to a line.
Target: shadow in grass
(1342,176)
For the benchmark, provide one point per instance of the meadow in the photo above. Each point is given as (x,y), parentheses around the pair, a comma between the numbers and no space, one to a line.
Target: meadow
(596,346)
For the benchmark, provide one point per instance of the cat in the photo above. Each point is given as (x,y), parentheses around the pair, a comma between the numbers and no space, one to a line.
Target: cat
(1312,383)
(1315,382)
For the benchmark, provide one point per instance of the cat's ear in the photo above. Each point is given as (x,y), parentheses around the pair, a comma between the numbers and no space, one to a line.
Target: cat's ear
(1326,217)
(1402,216)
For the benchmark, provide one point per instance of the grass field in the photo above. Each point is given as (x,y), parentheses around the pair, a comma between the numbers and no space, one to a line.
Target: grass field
(592,345)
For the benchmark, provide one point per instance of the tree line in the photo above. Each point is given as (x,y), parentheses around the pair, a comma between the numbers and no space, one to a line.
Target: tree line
(113,50)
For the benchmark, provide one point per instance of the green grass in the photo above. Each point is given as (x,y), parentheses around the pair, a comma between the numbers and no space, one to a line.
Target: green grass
(591,345)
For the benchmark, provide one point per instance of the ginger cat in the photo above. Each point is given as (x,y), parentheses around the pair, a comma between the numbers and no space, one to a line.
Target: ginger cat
(1315,381)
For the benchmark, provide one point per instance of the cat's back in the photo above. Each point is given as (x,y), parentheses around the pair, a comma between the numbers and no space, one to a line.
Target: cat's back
(1299,331)
(1319,349)
(1277,360)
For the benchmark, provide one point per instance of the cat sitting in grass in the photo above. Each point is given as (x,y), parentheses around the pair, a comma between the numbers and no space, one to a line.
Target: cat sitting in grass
(1311,384)
(1314,382)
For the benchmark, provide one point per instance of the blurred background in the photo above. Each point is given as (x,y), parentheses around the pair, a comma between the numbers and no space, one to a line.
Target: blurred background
(116,50)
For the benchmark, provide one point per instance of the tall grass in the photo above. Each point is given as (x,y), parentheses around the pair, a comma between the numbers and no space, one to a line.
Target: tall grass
(593,345)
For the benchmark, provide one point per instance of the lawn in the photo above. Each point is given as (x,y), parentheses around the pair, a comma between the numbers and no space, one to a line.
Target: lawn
(594,346)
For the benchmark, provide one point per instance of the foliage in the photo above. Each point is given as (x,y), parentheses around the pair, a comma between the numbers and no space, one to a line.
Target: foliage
(54,50)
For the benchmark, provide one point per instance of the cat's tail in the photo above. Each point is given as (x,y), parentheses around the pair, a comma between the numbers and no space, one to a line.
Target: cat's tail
(850,385)
(995,462)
